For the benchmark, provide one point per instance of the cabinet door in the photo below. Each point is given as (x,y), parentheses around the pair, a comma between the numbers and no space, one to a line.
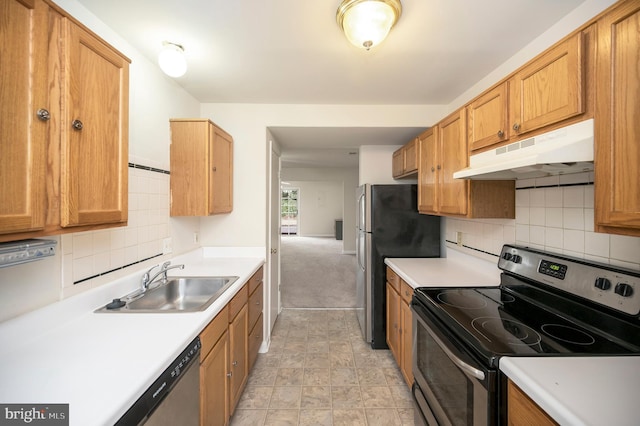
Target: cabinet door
(221,176)
(24,32)
(523,411)
(406,343)
(617,135)
(94,131)
(255,340)
(453,195)
(410,163)
(238,357)
(393,321)
(427,171)
(487,118)
(548,89)
(397,163)
(214,385)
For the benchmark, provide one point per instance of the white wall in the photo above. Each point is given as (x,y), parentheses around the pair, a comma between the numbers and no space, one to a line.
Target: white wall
(375,165)
(153,99)
(348,178)
(319,205)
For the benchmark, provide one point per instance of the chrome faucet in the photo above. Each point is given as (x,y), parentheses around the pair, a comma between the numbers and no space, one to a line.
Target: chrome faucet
(147,280)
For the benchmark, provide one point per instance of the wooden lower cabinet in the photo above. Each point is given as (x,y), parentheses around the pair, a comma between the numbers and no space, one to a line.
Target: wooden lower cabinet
(399,323)
(230,345)
(238,367)
(214,386)
(393,321)
(523,411)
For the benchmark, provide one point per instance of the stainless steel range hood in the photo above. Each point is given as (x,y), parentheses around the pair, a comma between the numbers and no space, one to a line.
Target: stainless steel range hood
(562,151)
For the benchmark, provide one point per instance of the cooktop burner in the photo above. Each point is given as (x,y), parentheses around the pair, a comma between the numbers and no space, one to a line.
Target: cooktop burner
(505,330)
(459,300)
(568,334)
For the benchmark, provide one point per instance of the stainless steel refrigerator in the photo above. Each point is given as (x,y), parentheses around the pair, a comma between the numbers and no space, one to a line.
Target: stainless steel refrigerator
(389,225)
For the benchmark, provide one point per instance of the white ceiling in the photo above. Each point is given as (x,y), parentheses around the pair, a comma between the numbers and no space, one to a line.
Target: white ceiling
(292,52)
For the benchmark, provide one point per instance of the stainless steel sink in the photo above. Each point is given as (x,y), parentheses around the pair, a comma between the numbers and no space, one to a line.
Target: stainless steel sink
(178,294)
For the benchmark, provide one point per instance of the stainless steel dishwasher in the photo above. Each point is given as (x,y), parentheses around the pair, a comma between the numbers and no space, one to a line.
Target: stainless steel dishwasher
(174,398)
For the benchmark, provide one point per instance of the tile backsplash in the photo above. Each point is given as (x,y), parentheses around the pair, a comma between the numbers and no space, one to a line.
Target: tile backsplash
(95,256)
(554,214)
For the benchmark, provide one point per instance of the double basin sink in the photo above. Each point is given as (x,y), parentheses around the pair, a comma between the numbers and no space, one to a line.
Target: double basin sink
(177,294)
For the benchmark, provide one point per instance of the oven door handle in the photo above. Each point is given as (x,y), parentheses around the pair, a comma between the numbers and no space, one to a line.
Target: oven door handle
(478,374)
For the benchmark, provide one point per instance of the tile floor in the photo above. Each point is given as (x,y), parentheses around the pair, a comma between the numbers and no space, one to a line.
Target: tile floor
(318,371)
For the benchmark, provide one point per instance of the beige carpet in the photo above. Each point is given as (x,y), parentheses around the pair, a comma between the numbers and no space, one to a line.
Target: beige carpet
(315,273)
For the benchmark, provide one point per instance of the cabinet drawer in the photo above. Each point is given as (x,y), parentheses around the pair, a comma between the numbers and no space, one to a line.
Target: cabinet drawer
(255,340)
(255,280)
(406,291)
(212,332)
(238,301)
(393,279)
(255,305)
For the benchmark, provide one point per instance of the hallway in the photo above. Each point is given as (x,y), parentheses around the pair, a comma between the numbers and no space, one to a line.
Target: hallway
(319,371)
(316,274)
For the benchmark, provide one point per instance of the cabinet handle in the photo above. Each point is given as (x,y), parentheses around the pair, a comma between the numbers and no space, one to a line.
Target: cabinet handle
(214,169)
(516,127)
(433,169)
(500,134)
(257,303)
(77,124)
(439,167)
(43,114)
(234,363)
(229,374)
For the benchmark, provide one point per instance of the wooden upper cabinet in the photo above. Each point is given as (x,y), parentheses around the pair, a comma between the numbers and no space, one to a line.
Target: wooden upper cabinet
(617,135)
(487,118)
(427,170)
(452,144)
(201,168)
(405,160)
(548,89)
(94,131)
(56,178)
(23,137)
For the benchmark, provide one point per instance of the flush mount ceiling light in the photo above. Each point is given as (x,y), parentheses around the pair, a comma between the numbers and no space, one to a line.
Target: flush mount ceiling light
(172,60)
(366,23)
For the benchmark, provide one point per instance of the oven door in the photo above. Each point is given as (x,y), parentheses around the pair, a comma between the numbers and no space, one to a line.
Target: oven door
(451,387)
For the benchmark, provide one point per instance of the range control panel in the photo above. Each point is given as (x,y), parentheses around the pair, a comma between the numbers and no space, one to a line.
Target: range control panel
(604,284)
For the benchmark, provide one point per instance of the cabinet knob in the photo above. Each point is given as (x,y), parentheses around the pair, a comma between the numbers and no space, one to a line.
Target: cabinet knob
(500,134)
(234,363)
(77,124)
(213,168)
(433,169)
(229,374)
(516,127)
(274,251)
(43,114)
(257,303)
(439,167)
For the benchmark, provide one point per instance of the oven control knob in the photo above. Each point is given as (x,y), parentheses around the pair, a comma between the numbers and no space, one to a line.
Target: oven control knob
(624,290)
(516,259)
(603,283)
(507,256)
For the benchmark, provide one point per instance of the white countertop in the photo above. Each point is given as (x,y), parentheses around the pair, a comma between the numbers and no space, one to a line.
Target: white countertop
(598,391)
(100,363)
(456,270)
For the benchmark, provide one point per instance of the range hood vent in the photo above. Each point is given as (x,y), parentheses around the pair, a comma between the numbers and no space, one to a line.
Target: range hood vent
(562,151)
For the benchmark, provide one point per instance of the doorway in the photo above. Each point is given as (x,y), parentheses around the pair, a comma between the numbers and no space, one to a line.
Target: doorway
(289,211)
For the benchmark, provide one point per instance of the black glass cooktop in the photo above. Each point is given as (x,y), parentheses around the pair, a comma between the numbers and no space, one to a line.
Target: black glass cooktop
(498,322)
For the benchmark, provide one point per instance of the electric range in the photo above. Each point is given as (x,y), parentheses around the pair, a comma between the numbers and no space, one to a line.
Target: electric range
(547,304)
